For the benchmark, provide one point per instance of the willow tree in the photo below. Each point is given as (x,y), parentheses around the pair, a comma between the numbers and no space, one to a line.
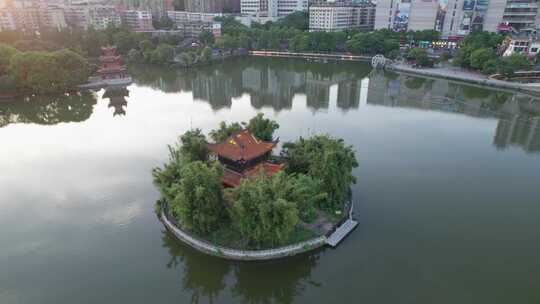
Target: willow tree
(190,147)
(261,211)
(198,203)
(262,128)
(326,159)
(194,145)
(225,130)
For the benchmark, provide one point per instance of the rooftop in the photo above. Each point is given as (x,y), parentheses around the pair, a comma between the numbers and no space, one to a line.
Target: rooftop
(241,146)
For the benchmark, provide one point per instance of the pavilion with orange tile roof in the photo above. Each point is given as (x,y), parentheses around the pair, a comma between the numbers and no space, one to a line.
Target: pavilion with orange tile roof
(244,156)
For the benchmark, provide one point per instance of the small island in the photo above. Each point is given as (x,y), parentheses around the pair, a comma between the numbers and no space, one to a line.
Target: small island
(231,197)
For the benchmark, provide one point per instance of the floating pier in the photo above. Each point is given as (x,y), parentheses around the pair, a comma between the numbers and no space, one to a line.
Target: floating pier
(341,232)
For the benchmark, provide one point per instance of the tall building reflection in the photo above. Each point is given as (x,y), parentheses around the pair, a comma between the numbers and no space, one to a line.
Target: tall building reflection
(518,114)
(267,83)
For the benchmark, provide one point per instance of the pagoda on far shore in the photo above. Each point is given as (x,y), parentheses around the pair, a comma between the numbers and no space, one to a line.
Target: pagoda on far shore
(243,156)
(112,69)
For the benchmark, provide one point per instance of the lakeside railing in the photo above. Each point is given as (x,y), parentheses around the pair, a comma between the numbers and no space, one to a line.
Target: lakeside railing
(334,56)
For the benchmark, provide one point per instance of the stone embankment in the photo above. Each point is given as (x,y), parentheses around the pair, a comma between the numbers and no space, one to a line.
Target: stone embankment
(338,232)
(235,254)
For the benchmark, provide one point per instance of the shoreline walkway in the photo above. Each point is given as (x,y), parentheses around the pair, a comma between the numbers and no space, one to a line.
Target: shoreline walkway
(461,75)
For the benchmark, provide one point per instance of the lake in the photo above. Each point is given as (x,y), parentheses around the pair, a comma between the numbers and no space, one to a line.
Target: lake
(447,198)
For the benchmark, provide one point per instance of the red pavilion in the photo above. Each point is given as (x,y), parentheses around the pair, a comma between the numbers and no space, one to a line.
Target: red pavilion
(244,156)
(112,68)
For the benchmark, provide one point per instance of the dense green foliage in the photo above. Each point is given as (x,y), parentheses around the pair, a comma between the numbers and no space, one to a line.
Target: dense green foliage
(515,62)
(194,145)
(198,201)
(225,130)
(326,159)
(262,128)
(376,42)
(43,72)
(263,210)
(419,56)
(192,188)
(6,53)
(167,177)
(298,20)
(478,51)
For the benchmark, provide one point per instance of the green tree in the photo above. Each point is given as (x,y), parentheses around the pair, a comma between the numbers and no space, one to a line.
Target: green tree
(44,72)
(261,211)
(125,41)
(515,62)
(226,42)
(163,54)
(206,54)
(194,145)
(300,42)
(297,20)
(206,37)
(490,67)
(262,128)
(419,56)
(75,69)
(224,131)
(6,53)
(187,59)
(326,159)
(167,177)
(198,203)
(307,192)
(480,56)
(463,57)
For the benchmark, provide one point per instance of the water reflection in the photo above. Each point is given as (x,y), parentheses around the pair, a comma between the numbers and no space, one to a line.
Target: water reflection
(275,84)
(117,99)
(518,114)
(47,109)
(205,278)
(277,281)
(269,83)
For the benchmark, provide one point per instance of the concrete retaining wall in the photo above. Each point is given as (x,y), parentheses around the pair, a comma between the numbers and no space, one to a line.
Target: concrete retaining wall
(235,254)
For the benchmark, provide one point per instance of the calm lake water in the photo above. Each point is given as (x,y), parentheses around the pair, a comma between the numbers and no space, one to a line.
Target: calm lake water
(448,193)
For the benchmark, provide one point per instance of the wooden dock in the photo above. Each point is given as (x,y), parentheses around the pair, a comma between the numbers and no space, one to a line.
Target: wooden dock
(341,232)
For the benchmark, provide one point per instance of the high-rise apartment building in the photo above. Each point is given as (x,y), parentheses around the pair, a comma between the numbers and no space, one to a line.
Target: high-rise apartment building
(137,20)
(521,14)
(212,6)
(272,8)
(450,17)
(330,17)
(31,17)
(455,17)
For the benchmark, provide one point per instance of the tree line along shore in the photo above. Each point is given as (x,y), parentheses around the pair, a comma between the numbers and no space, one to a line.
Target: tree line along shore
(57,61)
